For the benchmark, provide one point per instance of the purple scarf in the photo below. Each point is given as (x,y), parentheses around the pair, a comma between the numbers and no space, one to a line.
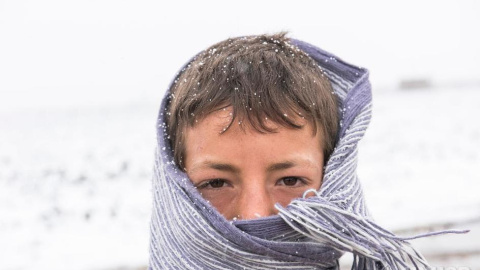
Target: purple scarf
(310,233)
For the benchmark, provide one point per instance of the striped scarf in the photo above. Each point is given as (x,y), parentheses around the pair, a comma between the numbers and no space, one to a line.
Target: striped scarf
(310,233)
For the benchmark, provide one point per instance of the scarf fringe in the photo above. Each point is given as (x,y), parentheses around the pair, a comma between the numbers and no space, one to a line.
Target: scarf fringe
(373,246)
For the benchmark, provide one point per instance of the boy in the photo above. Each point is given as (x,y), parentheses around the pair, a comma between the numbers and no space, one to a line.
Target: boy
(256,163)
(256,119)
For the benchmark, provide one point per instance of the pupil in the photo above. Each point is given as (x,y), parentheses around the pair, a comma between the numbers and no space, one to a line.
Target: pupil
(290,181)
(217,183)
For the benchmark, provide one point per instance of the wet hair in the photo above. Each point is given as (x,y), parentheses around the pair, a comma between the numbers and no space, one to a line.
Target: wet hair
(258,77)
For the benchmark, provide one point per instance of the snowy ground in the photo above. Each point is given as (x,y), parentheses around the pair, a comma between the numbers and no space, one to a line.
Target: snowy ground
(75,184)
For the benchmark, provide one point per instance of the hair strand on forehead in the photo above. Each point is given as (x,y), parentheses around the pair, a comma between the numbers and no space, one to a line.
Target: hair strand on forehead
(258,78)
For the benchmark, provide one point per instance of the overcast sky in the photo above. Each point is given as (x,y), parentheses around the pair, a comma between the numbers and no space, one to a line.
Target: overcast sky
(68,53)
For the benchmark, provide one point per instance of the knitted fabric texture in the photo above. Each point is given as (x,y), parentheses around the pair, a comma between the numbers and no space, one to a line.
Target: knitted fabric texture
(310,233)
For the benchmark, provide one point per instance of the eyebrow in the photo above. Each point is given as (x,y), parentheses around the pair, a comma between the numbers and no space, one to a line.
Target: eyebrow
(217,166)
(281,166)
(231,168)
(223,167)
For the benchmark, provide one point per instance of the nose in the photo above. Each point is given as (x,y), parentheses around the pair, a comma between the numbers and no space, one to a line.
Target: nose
(255,203)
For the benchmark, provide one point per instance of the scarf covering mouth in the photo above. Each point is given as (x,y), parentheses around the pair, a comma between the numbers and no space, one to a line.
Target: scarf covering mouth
(310,233)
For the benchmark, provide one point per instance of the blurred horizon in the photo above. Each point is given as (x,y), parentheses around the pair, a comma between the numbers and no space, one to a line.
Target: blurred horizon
(57,53)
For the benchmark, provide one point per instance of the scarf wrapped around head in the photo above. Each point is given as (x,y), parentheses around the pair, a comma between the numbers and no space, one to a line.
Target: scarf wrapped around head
(310,233)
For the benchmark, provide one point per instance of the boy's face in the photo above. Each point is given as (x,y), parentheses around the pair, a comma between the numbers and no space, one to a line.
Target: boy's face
(243,173)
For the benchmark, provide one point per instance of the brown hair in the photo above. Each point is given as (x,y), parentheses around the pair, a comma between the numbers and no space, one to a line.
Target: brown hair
(258,77)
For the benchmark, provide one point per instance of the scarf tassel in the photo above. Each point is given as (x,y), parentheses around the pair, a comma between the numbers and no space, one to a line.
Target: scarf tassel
(372,246)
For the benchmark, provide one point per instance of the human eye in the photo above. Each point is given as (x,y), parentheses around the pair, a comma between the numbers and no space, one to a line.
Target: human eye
(291,181)
(213,184)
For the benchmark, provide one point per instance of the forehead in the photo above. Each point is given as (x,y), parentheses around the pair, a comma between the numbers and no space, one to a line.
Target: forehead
(210,139)
(224,119)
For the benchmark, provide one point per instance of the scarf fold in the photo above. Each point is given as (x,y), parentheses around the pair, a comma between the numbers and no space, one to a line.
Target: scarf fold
(310,233)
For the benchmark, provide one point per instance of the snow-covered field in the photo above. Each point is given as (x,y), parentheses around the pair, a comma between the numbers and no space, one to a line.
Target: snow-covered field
(75,184)
(75,187)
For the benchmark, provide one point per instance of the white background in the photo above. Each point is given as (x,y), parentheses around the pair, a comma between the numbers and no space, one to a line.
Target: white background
(89,52)
(81,82)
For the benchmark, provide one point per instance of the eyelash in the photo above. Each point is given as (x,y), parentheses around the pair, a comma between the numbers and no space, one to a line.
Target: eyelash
(303,182)
(208,184)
